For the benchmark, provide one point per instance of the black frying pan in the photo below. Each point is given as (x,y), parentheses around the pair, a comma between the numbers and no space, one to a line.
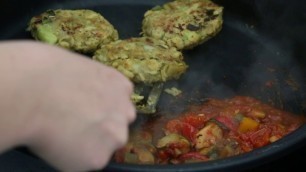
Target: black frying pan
(261,41)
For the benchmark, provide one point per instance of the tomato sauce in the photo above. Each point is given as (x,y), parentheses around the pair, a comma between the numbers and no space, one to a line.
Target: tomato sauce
(214,130)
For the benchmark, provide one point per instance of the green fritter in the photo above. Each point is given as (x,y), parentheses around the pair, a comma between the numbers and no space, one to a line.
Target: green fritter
(143,60)
(183,24)
(78,30)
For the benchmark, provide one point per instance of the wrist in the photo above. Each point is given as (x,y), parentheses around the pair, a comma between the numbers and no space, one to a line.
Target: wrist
(19,93)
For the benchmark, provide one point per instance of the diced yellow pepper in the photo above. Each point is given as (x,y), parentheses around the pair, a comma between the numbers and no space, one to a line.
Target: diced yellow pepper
(247,124)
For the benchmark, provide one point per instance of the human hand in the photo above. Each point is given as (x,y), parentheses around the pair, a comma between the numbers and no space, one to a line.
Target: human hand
(71,111)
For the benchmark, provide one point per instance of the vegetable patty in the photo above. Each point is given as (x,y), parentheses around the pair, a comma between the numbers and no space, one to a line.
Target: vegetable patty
(79,30)
(183,24)
(143,60)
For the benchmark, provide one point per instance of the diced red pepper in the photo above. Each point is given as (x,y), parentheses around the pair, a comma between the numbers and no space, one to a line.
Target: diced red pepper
(227,121)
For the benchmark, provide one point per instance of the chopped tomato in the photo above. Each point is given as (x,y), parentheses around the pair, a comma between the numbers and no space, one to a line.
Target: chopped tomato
(197,121)
(189,131)
(245,143)
(185,127)
(162,155)
(244,124)
(260,137)
(119,155)
(243,108)
(193,156)
(174,126)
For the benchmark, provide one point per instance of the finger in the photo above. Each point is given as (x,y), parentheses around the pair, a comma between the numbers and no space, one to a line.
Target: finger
(131,113)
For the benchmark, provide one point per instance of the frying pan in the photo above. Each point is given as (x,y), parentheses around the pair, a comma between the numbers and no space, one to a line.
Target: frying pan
(262,42)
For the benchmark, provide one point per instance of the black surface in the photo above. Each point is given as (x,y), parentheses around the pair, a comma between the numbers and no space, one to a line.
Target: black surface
(15,161)
(261,41)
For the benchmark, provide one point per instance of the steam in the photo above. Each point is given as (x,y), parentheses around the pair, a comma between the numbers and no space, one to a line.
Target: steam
(260,61)
(264,60)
